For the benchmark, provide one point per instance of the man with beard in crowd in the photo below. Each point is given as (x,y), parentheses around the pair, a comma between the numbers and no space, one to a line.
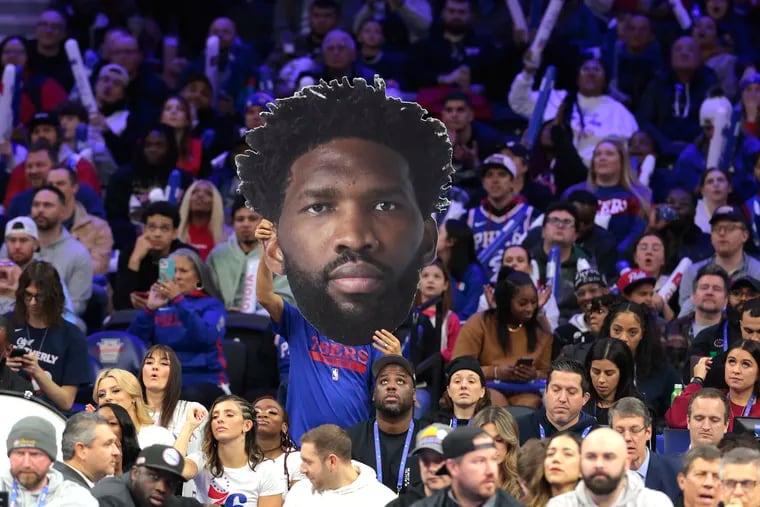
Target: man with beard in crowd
(741,322)
(31,479)
(605,478)
(709,296)
(229,260)
(472,462)
(352,212)
(582,327)
(385,441)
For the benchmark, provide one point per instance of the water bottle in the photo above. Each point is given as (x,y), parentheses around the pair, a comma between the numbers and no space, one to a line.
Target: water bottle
(677,390)
(80,137)
(175,179)
(553,269)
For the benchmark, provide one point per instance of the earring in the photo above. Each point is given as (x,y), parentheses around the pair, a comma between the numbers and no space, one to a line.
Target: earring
(199,285)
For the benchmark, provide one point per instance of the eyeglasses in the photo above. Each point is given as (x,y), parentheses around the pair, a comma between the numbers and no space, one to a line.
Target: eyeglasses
(726,228)
(28,296)
(635,430)
(560,222)
(745,484)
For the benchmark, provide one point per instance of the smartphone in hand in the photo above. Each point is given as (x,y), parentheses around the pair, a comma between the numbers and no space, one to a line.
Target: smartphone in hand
(17,352)
(166,269)
(525,361)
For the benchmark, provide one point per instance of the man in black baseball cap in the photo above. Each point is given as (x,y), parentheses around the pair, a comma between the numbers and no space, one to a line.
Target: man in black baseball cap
(393,428)
(729,232)
(152,481)
(588,284)
(472,462)
(44,125)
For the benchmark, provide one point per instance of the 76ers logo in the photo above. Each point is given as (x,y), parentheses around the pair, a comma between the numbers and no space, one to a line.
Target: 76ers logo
(219,495)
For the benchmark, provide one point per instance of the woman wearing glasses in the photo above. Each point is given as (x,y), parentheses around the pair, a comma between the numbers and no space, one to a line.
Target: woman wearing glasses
(55,356)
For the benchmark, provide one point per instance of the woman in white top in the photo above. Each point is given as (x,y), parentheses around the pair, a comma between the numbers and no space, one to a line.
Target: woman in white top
(231,467)
(274,440)
(122,388)
(161,384)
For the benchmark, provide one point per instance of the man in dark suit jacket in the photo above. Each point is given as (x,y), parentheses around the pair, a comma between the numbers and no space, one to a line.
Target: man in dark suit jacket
(631,418)
(89,448)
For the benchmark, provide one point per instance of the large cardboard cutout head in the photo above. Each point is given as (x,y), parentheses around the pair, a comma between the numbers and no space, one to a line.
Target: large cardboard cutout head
(350,178)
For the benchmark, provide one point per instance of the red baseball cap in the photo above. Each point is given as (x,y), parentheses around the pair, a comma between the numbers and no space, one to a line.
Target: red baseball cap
(632,278)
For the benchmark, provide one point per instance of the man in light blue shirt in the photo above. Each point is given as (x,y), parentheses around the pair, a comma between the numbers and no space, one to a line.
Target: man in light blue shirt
(631,418)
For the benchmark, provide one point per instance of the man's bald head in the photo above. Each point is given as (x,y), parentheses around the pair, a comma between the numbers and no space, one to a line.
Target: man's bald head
(339,50)
(604,438)
(225,29)
(603,461)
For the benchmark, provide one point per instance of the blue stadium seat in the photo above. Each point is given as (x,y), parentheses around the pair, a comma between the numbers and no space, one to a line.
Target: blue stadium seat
(117,349)
(676,441)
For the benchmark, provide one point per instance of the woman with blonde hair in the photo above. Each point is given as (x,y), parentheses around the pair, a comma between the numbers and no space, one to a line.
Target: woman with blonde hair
(623,202)
(201,216)
(120,387)
(502,427)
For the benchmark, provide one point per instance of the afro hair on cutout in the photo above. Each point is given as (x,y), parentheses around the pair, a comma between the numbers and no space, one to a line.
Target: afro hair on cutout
(323,112)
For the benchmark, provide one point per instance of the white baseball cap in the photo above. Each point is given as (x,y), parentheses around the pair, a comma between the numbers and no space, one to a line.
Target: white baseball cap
(22,225)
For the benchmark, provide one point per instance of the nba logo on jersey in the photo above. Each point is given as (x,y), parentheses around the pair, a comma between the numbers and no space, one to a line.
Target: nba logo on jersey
(335,374)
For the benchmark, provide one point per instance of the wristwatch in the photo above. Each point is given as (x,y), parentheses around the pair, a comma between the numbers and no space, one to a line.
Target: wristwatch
(697,380)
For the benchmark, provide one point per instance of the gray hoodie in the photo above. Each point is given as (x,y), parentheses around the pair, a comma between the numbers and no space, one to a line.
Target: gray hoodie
(634,495)
(74,265)
(61,493)
(365,491)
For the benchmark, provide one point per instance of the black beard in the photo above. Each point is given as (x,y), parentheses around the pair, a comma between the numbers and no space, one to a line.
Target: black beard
(367,313)
(456,29)
(602,486)
(394,412)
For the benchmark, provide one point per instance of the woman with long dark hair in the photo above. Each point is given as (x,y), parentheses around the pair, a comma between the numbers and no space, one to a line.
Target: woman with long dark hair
(192,300)
(231,461)
(508,340)
(126,436)
(655,376)
(742,374)
(456,248)
(435,281)
(177,114)
(161,384)
(55,357)
(609,364)
(275,441)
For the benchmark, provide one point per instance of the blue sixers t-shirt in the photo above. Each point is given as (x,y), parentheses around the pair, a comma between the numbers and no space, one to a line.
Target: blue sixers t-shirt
(330,383)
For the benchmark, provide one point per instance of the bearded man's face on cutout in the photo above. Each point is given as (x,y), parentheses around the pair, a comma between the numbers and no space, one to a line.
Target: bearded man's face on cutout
(350,233)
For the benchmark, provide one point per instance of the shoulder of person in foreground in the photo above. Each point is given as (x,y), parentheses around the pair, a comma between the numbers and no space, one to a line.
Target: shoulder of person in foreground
(71,494)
